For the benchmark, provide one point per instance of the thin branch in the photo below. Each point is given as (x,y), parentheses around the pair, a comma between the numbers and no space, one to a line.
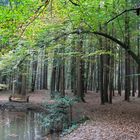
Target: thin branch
(32,20)
(132,9)
(75,4)
(37,12)
(36,15)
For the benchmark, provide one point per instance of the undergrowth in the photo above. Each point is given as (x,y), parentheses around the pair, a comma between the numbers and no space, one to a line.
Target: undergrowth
(59,117)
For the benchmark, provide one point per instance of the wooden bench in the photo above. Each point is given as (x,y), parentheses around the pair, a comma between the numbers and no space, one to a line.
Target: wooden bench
(19,98)
(3,87)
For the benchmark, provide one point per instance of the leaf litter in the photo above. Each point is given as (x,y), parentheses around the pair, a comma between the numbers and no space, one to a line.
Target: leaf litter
(117,121)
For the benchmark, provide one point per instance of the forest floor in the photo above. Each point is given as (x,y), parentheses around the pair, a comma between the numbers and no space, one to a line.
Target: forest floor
(117,121)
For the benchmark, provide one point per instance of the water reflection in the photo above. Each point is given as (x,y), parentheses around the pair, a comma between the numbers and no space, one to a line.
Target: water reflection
(21,126)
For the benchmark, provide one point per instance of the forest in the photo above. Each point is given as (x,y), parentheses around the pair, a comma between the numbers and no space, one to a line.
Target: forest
(69,70)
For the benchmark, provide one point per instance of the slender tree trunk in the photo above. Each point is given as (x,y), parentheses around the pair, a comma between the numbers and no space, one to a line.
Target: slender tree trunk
(73,76)
(127,58)
(53,81)
(91,76)
(106,69)
(62,76)
(138,43)
(111,75)
(58,77)
(87,77)
(133,81)
(101,73)
(23,85)
(119,74)
(62,81)
(34,71)
(80,71)
(19,83)
(138,80)
(45,78)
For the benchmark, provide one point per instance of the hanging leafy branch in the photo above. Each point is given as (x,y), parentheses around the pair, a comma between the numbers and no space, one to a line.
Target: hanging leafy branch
(39,10)
(15,20)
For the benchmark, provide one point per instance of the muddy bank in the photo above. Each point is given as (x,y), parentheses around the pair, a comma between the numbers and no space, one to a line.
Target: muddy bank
(36,100)
(15,106)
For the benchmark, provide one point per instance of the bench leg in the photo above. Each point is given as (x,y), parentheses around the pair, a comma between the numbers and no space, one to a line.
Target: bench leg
(10,98)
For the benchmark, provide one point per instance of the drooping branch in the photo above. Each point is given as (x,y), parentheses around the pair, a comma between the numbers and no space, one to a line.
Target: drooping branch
(132,9)
(120,43)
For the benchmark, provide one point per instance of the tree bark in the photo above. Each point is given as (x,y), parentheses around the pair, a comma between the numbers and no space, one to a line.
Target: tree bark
(127,57)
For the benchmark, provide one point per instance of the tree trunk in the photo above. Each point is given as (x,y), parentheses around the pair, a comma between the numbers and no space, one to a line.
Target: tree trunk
(53,81)
(62,80)
(23,85)
(119,74)
(138,43)
(80,71)
(127,58)
(45,78)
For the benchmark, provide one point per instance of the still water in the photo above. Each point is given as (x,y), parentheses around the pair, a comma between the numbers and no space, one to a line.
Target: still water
(22,126)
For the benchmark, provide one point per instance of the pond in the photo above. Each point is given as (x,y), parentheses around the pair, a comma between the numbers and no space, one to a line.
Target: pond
(22,126)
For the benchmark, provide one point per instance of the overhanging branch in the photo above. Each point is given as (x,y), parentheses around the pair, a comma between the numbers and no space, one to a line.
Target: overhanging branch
(132,9)
(120,43)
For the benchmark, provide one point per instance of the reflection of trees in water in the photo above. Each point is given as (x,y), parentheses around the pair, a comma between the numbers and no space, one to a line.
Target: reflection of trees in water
(20,126)
(54,136)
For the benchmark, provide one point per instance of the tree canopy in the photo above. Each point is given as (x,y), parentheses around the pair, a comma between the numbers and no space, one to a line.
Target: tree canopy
(29,26)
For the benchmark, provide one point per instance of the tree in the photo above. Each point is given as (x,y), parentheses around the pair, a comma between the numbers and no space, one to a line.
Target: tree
(65,36)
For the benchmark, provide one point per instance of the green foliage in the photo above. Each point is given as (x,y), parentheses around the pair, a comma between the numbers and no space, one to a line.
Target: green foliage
(99,52)
(66,101)
(15,17)
(17,22)
(70,129)
(57,118)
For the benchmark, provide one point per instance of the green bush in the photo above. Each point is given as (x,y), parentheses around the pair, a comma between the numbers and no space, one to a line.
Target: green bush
(58,117)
